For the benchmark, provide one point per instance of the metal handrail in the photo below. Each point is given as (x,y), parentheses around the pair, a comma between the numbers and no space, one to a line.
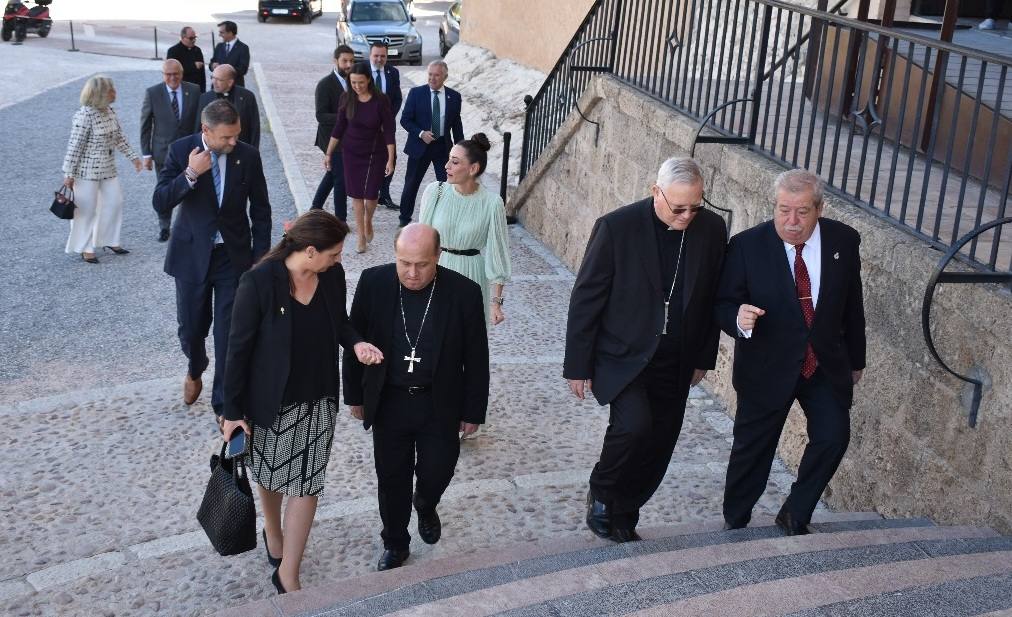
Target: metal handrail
(940,276)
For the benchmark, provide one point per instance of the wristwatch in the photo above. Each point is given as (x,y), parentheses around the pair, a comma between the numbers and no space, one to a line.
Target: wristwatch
(497,300)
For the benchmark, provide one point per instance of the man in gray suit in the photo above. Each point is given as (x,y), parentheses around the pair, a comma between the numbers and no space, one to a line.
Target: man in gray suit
(169,112)
(224,86)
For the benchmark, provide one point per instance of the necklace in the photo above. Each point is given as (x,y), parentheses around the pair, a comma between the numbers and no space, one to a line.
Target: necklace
(671,292)
(412,359)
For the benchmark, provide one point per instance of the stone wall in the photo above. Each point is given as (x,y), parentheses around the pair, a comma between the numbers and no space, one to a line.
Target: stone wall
(912,452)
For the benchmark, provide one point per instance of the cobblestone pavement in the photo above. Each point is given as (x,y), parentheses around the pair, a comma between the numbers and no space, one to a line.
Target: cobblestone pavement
(104,466)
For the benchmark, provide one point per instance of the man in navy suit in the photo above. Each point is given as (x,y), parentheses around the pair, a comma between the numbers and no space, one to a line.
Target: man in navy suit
(388,80)
(431,117)
(790,295)
(211,176)
(231,51)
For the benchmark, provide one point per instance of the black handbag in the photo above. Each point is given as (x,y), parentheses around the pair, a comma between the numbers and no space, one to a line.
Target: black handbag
(63,203)
(227,512)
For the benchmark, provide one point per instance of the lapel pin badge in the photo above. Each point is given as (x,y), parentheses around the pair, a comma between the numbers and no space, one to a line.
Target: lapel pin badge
(282,310)
(836,255)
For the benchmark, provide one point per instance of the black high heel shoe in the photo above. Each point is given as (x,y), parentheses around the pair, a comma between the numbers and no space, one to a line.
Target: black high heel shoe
(275,562)
(119,250)
(276,579)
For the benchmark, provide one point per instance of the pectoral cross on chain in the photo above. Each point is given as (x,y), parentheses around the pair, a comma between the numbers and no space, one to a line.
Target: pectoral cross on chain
(411,361)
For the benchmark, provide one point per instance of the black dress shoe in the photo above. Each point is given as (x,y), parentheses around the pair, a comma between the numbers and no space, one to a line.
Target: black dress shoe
(163,235)
(785,521)
(277,583)
(620,535)
(598,519)
(429,527)
(390,205)
(391,559)
(119,250)
(730,526)
(275,562)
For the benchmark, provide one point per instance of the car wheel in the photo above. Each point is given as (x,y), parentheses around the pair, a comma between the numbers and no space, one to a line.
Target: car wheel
(261,18)
(20,32)
(442,44)
(6,33)
(44,30)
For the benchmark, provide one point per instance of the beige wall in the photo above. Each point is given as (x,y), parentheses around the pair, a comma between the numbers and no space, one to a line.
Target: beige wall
(531,32)
(912,452)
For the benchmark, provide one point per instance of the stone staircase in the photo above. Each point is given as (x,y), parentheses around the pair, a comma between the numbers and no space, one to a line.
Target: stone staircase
(853,564)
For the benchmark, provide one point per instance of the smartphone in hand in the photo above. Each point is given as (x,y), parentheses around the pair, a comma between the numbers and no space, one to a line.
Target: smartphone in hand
(237,444)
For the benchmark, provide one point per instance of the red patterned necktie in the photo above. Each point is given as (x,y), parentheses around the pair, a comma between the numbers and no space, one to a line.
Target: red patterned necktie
(804,285)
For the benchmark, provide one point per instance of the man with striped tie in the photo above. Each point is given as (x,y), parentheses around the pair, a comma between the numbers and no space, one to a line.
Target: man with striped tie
(223,227)
(790,295)
(168,113)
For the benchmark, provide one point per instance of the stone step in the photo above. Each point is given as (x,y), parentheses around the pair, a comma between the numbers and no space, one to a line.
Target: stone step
(524,565)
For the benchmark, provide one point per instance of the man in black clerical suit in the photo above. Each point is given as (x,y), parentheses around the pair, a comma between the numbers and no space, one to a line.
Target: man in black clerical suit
(791,297)
(640,332)
(430,324)
(223,86)
(328,95)
(191,57)
(231,51)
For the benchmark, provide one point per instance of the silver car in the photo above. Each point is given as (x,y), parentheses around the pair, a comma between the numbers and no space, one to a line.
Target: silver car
(449,28)
(367,21)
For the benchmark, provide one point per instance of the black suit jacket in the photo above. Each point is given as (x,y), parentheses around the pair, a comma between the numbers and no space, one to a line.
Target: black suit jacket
(328,95)
(616,311)
(192,239)
(249,112)
(260,339)
(757,272)
(393,90)
(460,357)
(189,57)
(239,59)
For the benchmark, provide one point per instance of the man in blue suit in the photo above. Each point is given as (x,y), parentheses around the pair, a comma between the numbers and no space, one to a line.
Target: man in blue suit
(211,176)
(431,117)
(388,80)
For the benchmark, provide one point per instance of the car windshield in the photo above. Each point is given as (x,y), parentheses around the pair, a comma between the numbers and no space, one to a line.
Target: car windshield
(378,11)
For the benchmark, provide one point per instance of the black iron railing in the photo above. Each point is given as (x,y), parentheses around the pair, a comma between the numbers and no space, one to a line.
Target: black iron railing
(913,129)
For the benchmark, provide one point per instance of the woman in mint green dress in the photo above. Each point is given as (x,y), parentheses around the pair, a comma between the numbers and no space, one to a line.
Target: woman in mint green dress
(471,221)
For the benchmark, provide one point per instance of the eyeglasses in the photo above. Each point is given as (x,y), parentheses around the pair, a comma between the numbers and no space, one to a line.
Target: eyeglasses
(680,211)
(173,74)
(190,38)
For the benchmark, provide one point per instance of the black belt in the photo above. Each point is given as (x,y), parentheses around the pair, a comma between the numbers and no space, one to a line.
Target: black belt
(411,389)
(465,252)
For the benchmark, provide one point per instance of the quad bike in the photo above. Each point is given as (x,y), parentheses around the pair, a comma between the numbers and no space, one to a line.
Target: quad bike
(19,20)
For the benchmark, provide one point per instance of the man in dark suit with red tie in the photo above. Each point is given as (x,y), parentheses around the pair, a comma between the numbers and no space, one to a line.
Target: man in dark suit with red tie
(790,294)
(431,117)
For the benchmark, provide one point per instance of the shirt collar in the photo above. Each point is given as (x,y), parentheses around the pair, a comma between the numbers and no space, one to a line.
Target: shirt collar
(170,90)
(204,143)
(814,242)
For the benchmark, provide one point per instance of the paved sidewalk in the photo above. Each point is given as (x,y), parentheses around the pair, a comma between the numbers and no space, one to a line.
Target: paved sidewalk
(104,466)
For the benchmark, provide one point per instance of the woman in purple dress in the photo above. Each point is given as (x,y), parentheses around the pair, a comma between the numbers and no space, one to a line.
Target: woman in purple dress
(365,134)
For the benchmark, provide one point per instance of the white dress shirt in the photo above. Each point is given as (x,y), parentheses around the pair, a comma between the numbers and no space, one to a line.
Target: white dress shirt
(222,168)
(341,80)
(381,83)
(441,93)
(812,254)
(179,99)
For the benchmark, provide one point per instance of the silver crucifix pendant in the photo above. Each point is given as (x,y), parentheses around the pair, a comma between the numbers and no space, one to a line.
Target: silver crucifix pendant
(411,361)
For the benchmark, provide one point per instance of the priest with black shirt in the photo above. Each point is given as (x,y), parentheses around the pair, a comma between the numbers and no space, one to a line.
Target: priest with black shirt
(433,385)
(191,57)
(641,332)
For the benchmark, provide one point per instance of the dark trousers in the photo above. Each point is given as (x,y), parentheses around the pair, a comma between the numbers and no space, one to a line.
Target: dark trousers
(994,8)
(164,220)
(645,420)
(435,154)
(196,311)
(384,195)
(409,442)
(333,180)
(756,434)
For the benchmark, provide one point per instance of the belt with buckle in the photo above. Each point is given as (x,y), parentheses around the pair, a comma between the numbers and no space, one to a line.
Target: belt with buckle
(412,389)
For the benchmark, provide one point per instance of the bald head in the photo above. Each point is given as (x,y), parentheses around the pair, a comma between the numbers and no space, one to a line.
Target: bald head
(416,248)
(172,73)
(223,78)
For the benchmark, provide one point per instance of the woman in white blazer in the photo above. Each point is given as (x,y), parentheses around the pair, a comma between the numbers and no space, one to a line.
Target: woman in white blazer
(90,171)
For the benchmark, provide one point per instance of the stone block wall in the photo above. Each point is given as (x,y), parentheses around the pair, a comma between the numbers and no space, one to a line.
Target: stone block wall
(912,452)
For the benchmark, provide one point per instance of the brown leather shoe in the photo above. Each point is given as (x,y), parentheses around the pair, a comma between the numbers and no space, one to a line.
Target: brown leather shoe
(191,389)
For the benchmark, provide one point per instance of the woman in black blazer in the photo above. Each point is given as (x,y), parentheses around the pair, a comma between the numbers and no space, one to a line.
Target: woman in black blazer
(281,376)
